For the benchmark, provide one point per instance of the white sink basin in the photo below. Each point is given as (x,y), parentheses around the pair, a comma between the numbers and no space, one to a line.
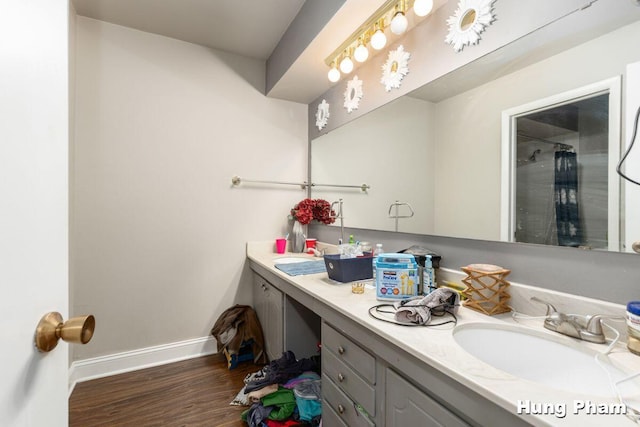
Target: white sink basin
(539,357)
(290,260)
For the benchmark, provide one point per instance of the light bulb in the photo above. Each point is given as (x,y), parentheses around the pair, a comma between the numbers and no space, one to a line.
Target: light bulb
(378,40)
(333,75)
(422,7)
(399,23)
(361,53)
(346,65)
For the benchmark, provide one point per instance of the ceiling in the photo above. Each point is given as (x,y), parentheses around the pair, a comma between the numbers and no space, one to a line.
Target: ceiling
(246,27)
(251,28)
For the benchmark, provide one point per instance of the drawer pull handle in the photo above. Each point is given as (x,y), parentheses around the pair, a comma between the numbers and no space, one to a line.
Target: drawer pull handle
(341,349)
(340,377)
(341,409)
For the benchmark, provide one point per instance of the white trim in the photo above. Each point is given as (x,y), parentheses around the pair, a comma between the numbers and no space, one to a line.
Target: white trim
(113,364)
(507,187)
(631,166)
(507,191)
(615,141)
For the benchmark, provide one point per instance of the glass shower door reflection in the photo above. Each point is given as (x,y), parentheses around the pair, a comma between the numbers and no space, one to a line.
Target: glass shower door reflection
(561,174)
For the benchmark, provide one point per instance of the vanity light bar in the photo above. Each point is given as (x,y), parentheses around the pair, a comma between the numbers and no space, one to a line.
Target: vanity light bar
(376,25)
(365,31)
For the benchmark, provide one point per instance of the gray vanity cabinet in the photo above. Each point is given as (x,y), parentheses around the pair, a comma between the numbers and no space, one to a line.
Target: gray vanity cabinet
(366,380)
(348,378)
(286,323)
(355,383)
(408,406)
(268,302)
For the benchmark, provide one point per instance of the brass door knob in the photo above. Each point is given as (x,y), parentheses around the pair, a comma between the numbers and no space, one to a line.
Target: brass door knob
(50,329)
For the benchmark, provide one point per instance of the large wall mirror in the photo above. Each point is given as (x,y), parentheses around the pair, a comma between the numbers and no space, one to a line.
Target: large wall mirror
(439,149)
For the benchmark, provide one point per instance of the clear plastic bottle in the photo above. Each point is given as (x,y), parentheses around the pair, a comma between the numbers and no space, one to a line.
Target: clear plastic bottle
(377,251)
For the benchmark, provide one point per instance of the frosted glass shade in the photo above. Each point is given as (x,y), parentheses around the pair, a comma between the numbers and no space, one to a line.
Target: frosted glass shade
(422,7)
(333,75)
(399,24)
(378,40)
(346,65)
(361,53)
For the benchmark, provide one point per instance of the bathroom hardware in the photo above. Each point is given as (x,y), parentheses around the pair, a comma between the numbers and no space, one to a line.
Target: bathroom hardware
(77,330)
(584,327)
(316,252)
(236,181)
(556,144)
(397,215)
(338,215)
(534,154)
(363,187)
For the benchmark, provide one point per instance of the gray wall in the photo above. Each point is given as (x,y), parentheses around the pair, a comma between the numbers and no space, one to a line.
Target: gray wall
(605,275)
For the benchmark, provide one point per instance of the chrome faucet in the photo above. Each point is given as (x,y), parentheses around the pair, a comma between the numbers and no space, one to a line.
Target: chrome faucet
(316,252)
(338,215)
(584,327)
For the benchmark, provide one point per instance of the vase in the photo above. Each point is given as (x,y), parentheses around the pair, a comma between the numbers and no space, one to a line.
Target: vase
(298,238)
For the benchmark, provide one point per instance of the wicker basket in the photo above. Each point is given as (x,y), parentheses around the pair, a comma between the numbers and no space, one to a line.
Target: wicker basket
(487,290)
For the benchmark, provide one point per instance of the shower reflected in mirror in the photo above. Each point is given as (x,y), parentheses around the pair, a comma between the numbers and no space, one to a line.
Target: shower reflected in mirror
(561,180)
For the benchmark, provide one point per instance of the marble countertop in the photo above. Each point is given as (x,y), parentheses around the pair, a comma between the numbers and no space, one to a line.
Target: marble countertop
(436,347)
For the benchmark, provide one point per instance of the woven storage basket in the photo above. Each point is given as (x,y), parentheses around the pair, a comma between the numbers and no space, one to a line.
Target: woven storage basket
(487,290)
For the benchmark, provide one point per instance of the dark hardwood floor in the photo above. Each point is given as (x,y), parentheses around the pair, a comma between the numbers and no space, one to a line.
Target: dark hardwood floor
(194,392)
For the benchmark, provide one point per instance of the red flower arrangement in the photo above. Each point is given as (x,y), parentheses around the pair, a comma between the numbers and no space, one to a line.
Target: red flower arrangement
(309,209)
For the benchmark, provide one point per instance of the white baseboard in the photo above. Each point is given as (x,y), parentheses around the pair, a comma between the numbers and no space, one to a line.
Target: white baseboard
(104,366)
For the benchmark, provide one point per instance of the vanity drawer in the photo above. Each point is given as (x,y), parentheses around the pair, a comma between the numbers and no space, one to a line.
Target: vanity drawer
(343,407)
(348,380)
(406,405)
(349,352)
(331,417)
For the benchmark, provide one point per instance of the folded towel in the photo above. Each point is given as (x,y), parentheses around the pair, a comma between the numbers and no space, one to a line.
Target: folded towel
(418,310)
(302,268)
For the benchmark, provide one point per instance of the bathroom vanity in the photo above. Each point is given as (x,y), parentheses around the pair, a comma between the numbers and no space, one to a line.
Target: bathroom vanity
(377,373)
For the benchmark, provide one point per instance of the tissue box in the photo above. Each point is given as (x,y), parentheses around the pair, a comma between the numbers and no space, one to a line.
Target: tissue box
(348,269)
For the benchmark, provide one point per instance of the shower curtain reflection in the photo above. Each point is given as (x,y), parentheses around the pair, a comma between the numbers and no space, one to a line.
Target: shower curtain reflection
(566,198)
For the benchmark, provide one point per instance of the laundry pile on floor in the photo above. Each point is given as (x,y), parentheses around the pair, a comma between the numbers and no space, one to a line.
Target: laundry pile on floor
(286,392)
(238,335)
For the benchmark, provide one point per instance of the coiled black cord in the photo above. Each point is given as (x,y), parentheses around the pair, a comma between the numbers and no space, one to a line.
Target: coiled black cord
(633,140)
(437,311)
